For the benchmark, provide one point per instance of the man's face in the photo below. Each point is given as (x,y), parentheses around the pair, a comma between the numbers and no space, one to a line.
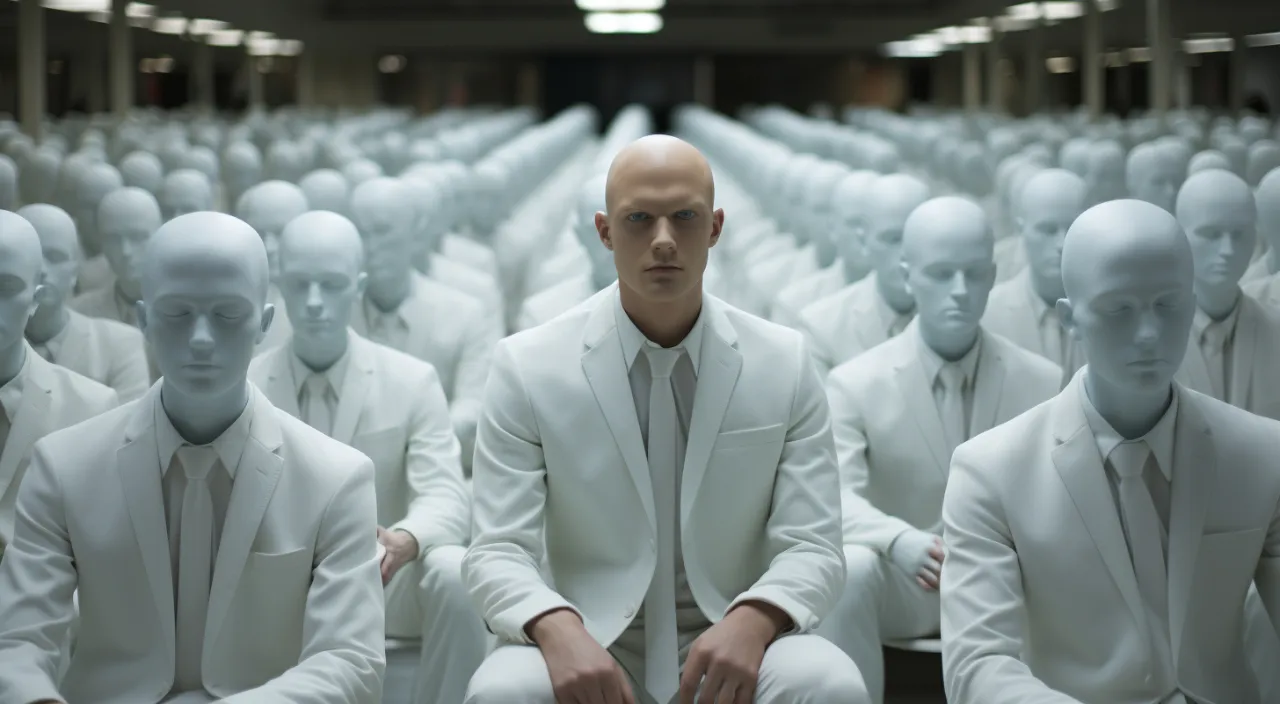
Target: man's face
(61,266)
(950,281)
(388,243)
(883,243)
(321,285)
(1222,241)
(124,240)
(1158,186)
(19,281)
(203,322)
(1044,228)
(660,229)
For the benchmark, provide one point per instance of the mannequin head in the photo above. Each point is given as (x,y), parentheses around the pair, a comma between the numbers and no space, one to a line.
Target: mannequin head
(890,201)
(849,222)
(321,281)
(21,265)
(142,170)
(203,311)
(591,200)
(948,263)
(1216,210)
(60,247)
(1047,205)
(1104,174)
(821,184)
(384,215)
(241,168)
(38,180)
(360,170)
(1264,157)
(128,217)
(326,189)
(1128,275)
(267,208)
(96,181)
(284,162)
(1268,198)
(1207,160)
(1150,177)
(185,191)
(8,184)
(203,160)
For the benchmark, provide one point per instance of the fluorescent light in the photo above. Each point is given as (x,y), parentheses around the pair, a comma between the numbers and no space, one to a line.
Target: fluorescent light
(289,47)
(1268,39)
(1014,24)
(1060,64)
(169,25)
(919,47)
(78,5)
(139,9)
(623,22)
(260,36)
(261,47)
(621,5)
(1140,54)
(1208,46)
(225,37)
(100,17)
(391,63)
(201,27)
(1116,59)
(164,64)
(969,34)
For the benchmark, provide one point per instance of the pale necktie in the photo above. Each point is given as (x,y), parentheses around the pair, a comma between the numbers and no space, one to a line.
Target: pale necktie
(951,409)
(661,645)
(319,415)
(195,564)
(1129,459)
(1213,342)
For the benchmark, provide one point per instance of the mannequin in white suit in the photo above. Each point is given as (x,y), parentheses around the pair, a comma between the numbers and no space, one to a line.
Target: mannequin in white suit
(897,417)
(415,315)
(1234,354)
(233,542)
(727,550)
(36,398)
(268,207)
(1024,308)
(185,191)
(126,220)
(109,352)
(81,190)
(1100,546)
(391,407)
(1262,279)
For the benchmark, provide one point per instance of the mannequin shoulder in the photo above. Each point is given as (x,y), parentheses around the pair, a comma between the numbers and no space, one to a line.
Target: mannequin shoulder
(308,450)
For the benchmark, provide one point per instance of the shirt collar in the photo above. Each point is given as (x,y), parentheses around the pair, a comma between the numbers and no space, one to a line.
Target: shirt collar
(933,363)
(1159,439)
(11,392)
(336,372)
(1202,322)
(229,446)
(633,340)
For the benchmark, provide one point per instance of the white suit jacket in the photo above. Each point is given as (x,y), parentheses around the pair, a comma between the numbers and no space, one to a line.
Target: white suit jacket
(799,293)
(391,408)
(550,302)
(295,606)
(109,352)
(560,456)
(451,331)
(475,254)
(1010,314)
(1255,361)
(101,303)
(1040,604)
(473,282)
(569,260)
(894,461)
(844,324)
(1010,257)
(53,398)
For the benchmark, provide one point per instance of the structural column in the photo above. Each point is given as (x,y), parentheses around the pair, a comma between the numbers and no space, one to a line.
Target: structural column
(1034,70)
(31,67)
(995,77)
(253,80)
(202,74)
(1094,71)
(305,77)
(704,81)
(529,84)
(120,60)
(1160,39)
(1239,61)
(972,77)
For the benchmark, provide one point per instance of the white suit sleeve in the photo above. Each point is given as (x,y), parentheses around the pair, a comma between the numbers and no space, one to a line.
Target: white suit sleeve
(1267,576)
(469,380)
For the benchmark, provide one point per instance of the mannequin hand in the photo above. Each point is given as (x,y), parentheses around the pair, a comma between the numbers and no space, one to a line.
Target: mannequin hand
(402,548)
(581,670)
(919,554)
(729,654)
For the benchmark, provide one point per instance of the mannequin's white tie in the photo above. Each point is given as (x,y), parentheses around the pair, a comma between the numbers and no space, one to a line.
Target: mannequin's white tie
(1213,342)
(195,564)
(661,644)
(952,409)
(1142,523)
(319,415)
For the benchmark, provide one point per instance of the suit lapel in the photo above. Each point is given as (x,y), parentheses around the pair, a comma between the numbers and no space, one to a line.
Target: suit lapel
(718,371)
(606,371)
(1242,352)
(255,481)
(30,423)
(137,463)
(1080,466)
(355,390)
(1194,473)
(280,389)
(920,399)
(988,390)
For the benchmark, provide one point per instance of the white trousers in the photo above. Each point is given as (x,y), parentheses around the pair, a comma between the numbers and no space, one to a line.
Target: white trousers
(1262,644)
(426,600)
(800,669)
(880,602)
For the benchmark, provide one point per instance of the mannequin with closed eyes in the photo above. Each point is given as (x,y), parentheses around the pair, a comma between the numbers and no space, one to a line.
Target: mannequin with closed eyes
(1262,279)
(82,187)
(185,191)
(268,207)
(1149,176)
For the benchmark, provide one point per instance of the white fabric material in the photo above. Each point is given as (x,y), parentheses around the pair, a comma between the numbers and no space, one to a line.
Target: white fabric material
(195,564)
(952,411)
(319,408)
(662,660)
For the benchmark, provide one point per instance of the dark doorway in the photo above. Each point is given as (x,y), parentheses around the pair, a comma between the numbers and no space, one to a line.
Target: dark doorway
(610,83)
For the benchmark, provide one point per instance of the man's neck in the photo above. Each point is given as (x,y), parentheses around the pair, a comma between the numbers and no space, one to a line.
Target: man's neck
(950,347)
(897,300)
(826,252)
(319,357)
(1133,415)
(46,323)
(1045,289)
(11,360)
(127,291)
(202,420)
(389,298)
(667,323)
(1218,304)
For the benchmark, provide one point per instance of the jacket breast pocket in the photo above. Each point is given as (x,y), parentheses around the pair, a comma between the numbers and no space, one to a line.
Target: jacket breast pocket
(751,437)
(1226,562)
(275,587)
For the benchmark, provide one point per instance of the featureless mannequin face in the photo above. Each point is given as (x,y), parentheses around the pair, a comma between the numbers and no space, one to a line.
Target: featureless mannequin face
(98,180)
(326,189)
(384,214)
(268,207)
(321,281)
(1216,209)
(1047,206)
(60,249)
(241,168)
(1128,274)
(38,181)
(890,202)
(128,217)
(1150,178)
(142,170)
(948,258)
(1268,198)
(204,311)
(185,191)
(20,269)
(849,211)
(8,184)
(1105,172)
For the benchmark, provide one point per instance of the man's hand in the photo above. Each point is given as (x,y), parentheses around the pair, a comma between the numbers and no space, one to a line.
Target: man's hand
(919,554)
(582,671)
(728,655)
(402,548)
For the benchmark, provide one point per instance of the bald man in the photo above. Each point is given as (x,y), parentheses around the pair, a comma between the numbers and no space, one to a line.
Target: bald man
(1100,546)
(126,219)
(268,207)
(109,352)
(36,397)
(185,191)
(391,407)
(232,543)
(674,568)
(899,411)
(1024,308)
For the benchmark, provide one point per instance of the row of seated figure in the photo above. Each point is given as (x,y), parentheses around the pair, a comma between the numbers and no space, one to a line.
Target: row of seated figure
(1012,384)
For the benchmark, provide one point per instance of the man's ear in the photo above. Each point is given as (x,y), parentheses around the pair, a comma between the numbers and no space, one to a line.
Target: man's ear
(268,315)
(717,225)
(906,277)
(1067,316)
(362,283)
(602,228)
(140,310)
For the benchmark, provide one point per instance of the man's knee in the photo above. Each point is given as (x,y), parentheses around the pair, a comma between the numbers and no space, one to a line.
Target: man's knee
(442,573)
(810,670)
(512,674)
(863,566)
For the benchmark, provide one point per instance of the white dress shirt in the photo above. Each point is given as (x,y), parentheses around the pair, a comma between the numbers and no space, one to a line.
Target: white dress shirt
(334,375)
(1216,341)
(690,621)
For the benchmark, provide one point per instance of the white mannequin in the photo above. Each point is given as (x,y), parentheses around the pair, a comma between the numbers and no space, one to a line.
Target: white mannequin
(268,207)
(361,170)
(142,170)
(185,191)
(868,312)
(1264,157)
(1040,586)
(798,288)
(8,184)
(284,162)
(106,351)
(126,218)
(1261,279)
(1149,177)
(269,631)
(1023,309)
(1105,171)
(889,418)
(326,189)
(241,169)
(391,407)
(38,179)
(92,184)
(1207,160)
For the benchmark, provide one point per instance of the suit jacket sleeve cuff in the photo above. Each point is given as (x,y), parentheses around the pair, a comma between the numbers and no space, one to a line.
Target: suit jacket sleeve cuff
(509,625)
(802,619)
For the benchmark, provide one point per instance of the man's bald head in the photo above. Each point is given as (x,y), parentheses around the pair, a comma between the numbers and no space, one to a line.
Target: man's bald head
(1213,189)
(185,191)
(128,207)
(383,194)
(21,268)
(191,243)
(658,153)
(950,219)
(54,226)
(1054,188)
(321,280)
(1117,234)
(326,232)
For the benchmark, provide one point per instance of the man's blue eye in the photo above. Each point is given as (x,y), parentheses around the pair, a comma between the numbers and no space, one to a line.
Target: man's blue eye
(686,215)
(637,217)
